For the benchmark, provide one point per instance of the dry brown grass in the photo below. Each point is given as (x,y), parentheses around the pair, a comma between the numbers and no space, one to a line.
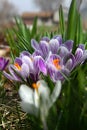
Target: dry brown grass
(11,115)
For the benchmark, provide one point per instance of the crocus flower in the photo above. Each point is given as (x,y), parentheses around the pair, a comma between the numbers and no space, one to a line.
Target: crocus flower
(3,63)
(56,68)
(17,70)
(39,100)
(80,55)
(26,66)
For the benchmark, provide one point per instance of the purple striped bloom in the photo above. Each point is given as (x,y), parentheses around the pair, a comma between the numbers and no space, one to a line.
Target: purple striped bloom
(26,66)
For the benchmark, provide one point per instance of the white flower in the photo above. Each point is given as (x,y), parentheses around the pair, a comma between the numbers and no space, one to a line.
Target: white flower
(39,100)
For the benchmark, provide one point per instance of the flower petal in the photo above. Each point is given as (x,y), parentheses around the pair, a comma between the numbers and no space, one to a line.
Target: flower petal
(43,89)
(39,63)
(69,61)
(44,46)
(56,92)
(26,94)
(45,39)
(3,63)
(82,46)
(25,70)
(54,45)
(35,44)
(78,54)
(18,60)
(59,38)
(62,51)
(42,66)
(27,60)
(69,45)
(13,73)
(10,77)
(25,53)
(29,108)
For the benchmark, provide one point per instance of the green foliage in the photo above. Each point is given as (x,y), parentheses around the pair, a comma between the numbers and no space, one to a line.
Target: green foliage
(72,18)
(19,38)
(73,99)
(62,22)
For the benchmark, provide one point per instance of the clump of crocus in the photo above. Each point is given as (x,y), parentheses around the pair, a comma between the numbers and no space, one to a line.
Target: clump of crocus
(3,63)
(60,60)
(50,57)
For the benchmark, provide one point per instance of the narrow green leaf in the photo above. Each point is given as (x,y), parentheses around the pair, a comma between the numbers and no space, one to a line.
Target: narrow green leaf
(34,29)
(71,26)
(79,31)
(61,21)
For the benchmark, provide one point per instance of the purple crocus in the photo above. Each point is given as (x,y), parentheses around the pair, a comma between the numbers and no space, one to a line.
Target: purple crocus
(26,66)
(18,70)
(56,68)
(3,63)
(60,65)
(80,55)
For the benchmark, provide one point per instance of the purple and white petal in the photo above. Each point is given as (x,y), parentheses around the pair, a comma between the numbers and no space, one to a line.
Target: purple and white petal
(63,51)
(40,65)
(78,54)
(29,61)
(54,45)
(69,45)
(59,38)
(25,53)
(69,61)
(35,44)
(82,46)
(18,60)
(45,39)
(24,71)
(44,47)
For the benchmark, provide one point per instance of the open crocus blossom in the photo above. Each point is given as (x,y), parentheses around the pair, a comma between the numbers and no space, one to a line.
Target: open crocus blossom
(39,100)
(3,63)
(26,67)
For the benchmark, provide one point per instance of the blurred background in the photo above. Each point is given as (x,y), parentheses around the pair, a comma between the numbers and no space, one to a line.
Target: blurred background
(45,10)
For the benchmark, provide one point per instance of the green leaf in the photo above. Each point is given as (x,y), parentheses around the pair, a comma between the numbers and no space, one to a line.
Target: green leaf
(79,31)
(34,29)
(72,20)
(61,21)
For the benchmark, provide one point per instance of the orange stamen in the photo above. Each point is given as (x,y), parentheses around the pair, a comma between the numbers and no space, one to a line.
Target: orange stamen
(56,64)
(17,66)
(35,86)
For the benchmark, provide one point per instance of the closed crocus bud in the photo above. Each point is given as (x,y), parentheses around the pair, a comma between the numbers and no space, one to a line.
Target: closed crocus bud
(3,63)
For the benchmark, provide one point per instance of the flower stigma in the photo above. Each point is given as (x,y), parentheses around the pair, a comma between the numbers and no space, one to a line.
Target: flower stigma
(56,64)
(17,66)
(36,86)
